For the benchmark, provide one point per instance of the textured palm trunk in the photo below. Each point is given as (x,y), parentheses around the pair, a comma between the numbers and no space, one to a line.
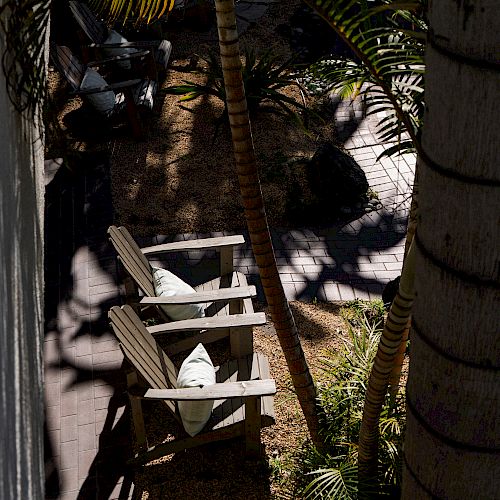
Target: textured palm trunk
(383,366)
(256,218)
(413,215)
(452,441)
(395,375)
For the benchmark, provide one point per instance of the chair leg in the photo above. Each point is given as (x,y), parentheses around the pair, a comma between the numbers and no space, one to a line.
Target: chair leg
(252,427)
(241,341)
(133,115)
(226,260)
(137,416)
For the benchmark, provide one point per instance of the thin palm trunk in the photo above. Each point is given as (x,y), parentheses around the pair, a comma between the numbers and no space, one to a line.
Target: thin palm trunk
(256,218)
(395,375)
(452,440)
(383,366)
(413,215)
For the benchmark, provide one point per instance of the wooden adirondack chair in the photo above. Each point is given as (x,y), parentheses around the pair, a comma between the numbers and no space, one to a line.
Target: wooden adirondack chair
(242,395)
(130,93)
(229,310)
(97,32)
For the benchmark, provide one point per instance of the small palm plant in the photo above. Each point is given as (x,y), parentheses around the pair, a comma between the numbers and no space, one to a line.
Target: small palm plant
(263,78)
(341,401)
(387,67)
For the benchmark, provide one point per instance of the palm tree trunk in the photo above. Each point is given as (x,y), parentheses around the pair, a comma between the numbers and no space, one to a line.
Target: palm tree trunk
(452,439)
(413,215)
(256,217)
(383,365)
(395,375)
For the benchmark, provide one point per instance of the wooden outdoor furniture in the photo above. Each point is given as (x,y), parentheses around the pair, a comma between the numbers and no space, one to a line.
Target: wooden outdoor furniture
(97,32)
(242,395)
(129,94)
(229,311)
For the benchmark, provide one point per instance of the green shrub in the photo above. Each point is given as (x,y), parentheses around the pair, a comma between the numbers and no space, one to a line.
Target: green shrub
(341,399)
(356,311)
(263,79)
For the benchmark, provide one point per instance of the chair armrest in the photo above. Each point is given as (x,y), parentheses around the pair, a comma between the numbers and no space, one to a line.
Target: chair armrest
(205,243)
(211,323)
(104,88)
(227,390)
(125,45)
(123,57)
(238,292)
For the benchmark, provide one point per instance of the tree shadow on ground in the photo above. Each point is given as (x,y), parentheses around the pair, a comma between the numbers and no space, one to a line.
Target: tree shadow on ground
(218,470)
(77,260)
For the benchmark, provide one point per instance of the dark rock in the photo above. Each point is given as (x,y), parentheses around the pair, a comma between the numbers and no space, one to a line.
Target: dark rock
(335,178)
(389,292)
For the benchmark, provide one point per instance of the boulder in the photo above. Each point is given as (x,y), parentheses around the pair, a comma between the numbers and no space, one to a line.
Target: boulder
(335,178)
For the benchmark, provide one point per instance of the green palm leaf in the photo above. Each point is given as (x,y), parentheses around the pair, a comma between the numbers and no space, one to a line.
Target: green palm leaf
(143,11)
(389,56)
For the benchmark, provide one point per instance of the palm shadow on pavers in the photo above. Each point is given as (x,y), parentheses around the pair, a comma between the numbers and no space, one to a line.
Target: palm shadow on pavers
(80,285)
(340,263)
(347,115)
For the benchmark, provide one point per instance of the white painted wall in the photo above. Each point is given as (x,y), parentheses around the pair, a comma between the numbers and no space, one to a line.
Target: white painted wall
(21,301)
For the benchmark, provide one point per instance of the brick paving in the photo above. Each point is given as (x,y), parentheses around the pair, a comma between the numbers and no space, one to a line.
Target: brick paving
(87,421)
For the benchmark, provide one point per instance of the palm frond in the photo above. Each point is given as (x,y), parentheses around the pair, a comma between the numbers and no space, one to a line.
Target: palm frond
(388,43)
(335,482)
(24,26)
(263,78)
(142,11)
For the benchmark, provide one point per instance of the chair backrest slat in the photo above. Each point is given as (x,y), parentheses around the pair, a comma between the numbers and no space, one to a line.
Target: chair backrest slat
(132,259)
(95,29)
(141,348)
(67,64)
(137,361)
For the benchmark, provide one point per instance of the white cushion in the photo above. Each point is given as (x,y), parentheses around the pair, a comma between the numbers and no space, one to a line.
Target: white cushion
(115,37)
(143,94)
(167,284)
(103,102)
(196,371)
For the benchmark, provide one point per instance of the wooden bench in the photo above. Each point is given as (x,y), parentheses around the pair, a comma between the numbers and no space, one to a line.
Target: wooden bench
(134,91)
(97,32)
(242,394)
(229,311)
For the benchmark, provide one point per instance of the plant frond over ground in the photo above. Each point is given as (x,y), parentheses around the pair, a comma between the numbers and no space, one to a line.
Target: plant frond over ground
(24,27)
(341,398)
(387,67)
(263,79)
(142,11)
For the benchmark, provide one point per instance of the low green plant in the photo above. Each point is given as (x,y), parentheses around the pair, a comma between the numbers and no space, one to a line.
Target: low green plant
(263,78)
(341,397)
(356,311)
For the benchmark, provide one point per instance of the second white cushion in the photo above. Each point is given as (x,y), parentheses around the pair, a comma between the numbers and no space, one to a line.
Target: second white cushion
(197,370)
(103,102)
(167,284)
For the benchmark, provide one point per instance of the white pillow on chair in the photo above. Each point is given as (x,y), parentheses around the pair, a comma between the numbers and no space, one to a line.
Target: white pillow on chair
(115,37)
(197,370)
(103,102)
(167,284)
